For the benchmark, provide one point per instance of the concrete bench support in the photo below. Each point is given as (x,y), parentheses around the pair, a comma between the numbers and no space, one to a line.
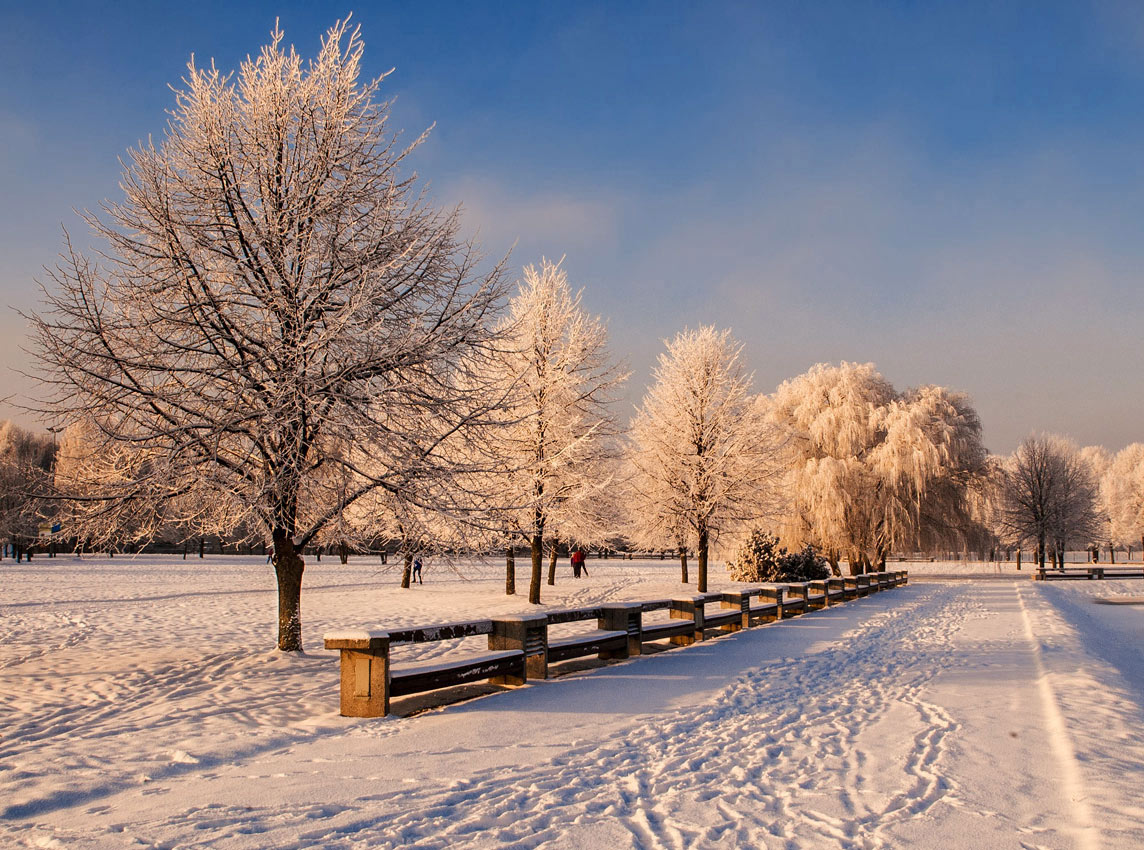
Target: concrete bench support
(818,595)
(364,672)
(623,617)
(528,633)
(688,608)
(771,596)
(742,601)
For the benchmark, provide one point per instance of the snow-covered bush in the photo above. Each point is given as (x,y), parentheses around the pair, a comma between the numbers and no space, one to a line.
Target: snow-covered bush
(760,558)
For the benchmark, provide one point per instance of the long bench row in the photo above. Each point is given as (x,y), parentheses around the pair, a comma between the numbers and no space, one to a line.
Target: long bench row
(1051,574)
(521,647)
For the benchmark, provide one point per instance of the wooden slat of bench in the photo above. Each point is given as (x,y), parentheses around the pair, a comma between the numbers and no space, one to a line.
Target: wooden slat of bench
(572,615)
(722,618)
(768,609)
(656,605)
(428,677)
(672,628)
(444,631)
(793,607)
(575,646)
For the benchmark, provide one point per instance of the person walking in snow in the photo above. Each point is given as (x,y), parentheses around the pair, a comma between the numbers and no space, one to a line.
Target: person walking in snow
(578,563)
(417,570)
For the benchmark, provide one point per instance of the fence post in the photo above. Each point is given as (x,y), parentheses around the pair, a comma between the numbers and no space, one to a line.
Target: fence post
(364,671)
(688,608)
(623,617)
(528,633)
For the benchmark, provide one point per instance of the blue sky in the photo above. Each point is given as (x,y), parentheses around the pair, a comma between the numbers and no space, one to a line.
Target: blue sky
(953,191)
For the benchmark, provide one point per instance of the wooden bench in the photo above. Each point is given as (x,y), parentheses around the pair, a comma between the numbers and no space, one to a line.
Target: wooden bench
(770,608)
(600,641)
(1090,573)
(520,647)
(368,680)
(687,611)
(796,600)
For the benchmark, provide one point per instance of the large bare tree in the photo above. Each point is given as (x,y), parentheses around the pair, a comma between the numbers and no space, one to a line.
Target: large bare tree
(1048,496)
(274,301)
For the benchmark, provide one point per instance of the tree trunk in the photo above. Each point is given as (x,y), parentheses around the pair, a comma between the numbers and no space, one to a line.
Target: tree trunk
(702,553)
(203,547)
(1018,558)
(554,554)
(536,545)
(1041,552)
(683,563)
(344,552)
(288,567)
(407,570)
(509,572)
(1111,553)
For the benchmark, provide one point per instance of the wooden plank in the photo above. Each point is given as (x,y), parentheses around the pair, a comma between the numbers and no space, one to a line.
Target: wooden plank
(412,680)
(724,617)
(672,628)
(444,631)
(572,615)
(580,645)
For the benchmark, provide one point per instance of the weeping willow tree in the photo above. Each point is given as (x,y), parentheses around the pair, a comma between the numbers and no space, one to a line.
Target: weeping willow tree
(873,468)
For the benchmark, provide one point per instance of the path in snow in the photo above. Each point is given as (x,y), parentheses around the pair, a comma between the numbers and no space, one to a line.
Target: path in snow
(937,714)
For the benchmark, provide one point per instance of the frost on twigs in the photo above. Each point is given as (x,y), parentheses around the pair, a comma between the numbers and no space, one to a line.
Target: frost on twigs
(703,460)
(553,450)
(279,323)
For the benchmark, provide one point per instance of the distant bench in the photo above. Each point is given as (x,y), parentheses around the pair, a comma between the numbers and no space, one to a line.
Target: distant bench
(522,647)
(1057,574)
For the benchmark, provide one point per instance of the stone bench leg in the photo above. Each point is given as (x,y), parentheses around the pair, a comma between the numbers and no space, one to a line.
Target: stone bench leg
(528,633)
(623,617)
(688,608)
(773,595)
(364,675)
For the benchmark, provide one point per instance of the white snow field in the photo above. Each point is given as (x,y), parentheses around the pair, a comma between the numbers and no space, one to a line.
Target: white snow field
(142,705)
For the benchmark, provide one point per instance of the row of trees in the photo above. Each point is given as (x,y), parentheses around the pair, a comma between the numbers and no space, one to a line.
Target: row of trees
(281,339)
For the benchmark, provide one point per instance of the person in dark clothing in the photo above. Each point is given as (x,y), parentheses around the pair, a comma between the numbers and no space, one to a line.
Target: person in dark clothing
(417,570)
(578,563)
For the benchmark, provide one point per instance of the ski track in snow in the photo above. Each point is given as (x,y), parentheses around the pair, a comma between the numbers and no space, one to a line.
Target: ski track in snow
(745,769)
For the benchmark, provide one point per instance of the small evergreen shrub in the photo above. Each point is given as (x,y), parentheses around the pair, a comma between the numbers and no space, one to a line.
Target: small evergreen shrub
(760,558)
(806,565)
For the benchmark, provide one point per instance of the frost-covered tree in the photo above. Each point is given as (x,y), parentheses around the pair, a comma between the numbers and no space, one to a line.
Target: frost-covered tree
(702,456)
(1048,496)
(553,451)
(1122,496)
(272,290)
(26,461)
(873,468)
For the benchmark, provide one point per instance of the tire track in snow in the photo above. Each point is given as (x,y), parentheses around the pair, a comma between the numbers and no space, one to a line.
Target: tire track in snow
(761,765)
(1072,782)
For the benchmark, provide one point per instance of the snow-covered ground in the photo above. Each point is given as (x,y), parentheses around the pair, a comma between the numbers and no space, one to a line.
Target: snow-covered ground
(143,706)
